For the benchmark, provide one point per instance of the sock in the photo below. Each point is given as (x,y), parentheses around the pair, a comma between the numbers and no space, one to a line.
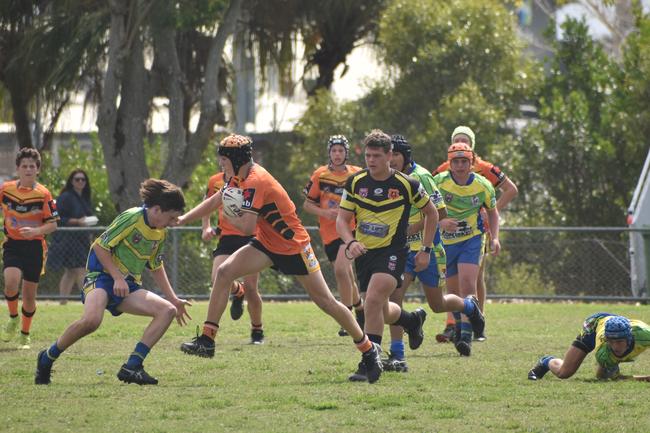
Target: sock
(545,360)
(210,329)
(466,331)
(359,305)
(450,320)
(27,321)
(237,289)
(50,355)
(364,345)
(406,320)
(137,357)
(456,315)
(397,349)
(375,338)
(468,307)
(361,318)
(254,326)
(12,303)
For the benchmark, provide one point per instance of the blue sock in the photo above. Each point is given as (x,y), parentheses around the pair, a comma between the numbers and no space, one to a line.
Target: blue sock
(137,357)
(397,349)
(456,315)
(545,360)
(468,308)
(466,331)
(50,355)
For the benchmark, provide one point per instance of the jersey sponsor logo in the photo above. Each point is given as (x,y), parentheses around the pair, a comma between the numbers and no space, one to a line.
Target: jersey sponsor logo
(378,191)
(160,258)
(393,193)
(414,238)
(137,237)
(249,195)
(363,192)
(374,229)
(449,197)
(475,201)
(436,197)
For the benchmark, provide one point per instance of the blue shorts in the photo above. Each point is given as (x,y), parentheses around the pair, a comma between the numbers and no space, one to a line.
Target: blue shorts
(430,276)
(468,251)
(105,282)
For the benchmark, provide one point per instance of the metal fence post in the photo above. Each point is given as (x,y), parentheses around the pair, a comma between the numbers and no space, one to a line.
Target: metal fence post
(174,267)
(646,254)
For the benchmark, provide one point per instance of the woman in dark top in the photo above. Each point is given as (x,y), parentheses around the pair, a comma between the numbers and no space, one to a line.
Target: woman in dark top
(69,249)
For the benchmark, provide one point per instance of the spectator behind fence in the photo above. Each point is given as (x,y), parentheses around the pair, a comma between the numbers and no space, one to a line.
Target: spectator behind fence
(69,249)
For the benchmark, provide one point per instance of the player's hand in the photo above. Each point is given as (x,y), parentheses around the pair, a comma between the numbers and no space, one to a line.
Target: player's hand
(495,247)
(120,288)
(208,234)
(29,232)
(354,249)
(182,316)
(448,224)
(422,260)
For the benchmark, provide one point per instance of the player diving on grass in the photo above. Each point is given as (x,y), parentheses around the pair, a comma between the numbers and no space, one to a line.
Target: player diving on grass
(132,242)
(613,339)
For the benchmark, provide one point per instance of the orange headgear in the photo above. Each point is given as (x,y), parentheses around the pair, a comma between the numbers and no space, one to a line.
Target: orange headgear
(460,150)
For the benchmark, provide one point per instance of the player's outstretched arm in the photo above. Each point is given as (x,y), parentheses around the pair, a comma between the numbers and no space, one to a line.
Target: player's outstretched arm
(205,208)
(508,193)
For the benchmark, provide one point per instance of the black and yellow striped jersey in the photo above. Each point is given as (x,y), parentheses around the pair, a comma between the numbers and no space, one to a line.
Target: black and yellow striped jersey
(382,208)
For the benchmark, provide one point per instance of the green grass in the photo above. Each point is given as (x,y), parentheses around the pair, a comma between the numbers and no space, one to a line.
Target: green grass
(297,381)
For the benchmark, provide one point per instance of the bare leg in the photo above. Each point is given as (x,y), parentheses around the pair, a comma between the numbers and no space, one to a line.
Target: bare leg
(565,368)
(145,303)
(94,306)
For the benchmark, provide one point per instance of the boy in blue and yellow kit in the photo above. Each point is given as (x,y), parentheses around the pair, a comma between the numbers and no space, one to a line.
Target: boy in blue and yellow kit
(117,258)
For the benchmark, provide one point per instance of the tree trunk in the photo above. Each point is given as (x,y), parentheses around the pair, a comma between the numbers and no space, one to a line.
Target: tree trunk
(181,162)
(19,102)
(122,129)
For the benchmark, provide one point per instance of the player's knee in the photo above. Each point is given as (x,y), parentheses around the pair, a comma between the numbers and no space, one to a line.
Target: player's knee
(90,324)
(225,272)
(168,312)
(565,374)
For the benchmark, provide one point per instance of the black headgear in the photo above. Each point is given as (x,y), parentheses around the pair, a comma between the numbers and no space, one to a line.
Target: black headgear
(402,146)
(238,149)
(339,140)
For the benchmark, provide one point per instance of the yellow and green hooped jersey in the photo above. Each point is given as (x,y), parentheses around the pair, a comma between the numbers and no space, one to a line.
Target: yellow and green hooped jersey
(426,180)
(133,244)
(464,203)
(604,355)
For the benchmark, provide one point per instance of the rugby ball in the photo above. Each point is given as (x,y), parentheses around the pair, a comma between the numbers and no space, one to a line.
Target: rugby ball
(232,200)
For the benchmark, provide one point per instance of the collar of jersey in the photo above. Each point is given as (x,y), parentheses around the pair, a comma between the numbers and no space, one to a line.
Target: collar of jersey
(470,179)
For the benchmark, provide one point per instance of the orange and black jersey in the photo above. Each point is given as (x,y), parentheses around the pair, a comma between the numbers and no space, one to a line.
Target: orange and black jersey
(382,208)
(278,227)
(26,207)
(324,189)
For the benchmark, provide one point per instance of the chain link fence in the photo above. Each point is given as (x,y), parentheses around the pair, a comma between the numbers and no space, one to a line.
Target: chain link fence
(541,262)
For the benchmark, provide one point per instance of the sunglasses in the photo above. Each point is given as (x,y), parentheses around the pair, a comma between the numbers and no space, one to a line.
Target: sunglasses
(79,179)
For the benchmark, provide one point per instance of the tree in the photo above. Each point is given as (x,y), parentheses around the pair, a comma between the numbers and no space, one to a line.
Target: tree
(578,164)
(129,88)
(46,53)
(446,63)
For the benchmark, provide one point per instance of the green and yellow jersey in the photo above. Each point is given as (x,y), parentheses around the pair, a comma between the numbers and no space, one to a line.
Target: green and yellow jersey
(603,353)
(464,204)
(426,180)
(133,244)
(382,208)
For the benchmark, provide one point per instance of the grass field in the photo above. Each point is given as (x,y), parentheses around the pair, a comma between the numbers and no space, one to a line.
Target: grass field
(297,381)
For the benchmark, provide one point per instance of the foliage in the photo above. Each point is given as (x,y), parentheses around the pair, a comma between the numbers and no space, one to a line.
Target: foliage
(437,56)
(571,164)
(297,381)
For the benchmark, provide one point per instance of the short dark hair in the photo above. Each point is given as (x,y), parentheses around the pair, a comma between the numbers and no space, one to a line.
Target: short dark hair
(28,152)
(159,192)
(378,139)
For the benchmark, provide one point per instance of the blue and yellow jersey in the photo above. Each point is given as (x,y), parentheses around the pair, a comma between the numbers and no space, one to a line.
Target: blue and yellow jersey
(133,244)
(464,204)
(382,208)
(604,355)
(426,180)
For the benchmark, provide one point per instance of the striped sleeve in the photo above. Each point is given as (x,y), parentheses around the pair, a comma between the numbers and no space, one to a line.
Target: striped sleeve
(119,229)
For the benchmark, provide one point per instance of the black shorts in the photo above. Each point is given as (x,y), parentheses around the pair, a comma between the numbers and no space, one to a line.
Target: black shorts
(380,261)
(28,256)
(228,244)
(303,263)
(332,249)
